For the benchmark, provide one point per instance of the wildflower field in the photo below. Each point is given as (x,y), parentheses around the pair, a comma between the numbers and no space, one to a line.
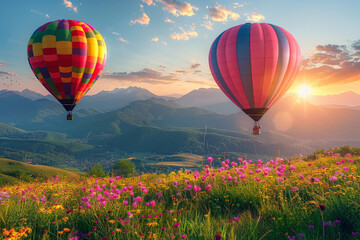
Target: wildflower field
(242,199)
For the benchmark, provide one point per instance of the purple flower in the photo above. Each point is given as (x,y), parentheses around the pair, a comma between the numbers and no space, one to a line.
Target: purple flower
(311,226)
(356,234)
(302,235)
(326,224)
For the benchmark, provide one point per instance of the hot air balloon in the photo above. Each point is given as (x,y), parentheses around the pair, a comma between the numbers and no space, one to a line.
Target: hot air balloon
(67,57)
(254,64)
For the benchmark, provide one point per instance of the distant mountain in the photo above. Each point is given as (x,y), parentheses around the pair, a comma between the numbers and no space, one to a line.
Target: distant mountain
(16,133)
(115,99)
(346,99)
(18,109)
(212,99)
(26,93)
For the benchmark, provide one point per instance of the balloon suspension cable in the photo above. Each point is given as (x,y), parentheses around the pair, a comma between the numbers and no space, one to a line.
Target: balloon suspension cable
(69,116)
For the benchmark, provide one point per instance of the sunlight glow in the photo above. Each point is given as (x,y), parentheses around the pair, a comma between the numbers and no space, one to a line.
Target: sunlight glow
(304,91)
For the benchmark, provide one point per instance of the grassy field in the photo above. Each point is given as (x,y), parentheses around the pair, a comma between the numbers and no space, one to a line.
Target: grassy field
(243,199)
(12,171)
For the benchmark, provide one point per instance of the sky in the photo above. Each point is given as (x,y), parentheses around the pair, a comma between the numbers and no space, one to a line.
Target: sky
(163,45)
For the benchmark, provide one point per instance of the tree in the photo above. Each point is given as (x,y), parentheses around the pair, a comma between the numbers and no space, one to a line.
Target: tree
(97,171)
(124,168)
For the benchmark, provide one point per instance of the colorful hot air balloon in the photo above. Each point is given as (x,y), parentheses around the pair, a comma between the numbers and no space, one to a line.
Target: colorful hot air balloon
(254,64)
(67,57)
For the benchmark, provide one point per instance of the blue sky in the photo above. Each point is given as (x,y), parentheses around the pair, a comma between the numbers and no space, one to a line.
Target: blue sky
(163,45)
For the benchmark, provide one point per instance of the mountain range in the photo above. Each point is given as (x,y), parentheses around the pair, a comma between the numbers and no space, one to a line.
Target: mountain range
(144,122)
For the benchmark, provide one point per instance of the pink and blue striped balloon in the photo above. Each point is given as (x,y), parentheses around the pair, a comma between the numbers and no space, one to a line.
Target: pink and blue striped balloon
(255,64)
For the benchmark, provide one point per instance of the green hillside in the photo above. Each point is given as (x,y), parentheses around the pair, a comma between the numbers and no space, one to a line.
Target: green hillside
(12,171)
(45,152)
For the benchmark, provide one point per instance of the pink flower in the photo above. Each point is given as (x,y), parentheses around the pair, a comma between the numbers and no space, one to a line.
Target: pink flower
(183,236)
(295,189)
(333,178)
(292,168)
(210,159)
(125,202)
(152,203)
(208,187)
(111,180)
(345,168)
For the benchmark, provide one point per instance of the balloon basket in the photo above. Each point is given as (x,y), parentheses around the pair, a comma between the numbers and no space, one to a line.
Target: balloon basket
(69,117)
(256,129)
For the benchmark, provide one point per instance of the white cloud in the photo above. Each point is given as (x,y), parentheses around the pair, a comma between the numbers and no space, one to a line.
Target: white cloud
(39,13)
(221,14)
(208,25)
(238,5)
(184,35)
(163,42)
(255,17)
(148,2)
(155,39)
(143,20)
(69,4)
(115,33)
(122,40)
(168,20)
(178,8)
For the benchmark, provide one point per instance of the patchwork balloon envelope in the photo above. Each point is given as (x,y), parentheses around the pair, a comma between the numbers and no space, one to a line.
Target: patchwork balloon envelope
(67,57)
(255,64)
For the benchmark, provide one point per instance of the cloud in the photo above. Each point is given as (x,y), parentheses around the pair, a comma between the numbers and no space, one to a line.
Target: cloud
(184,35)
(208,25)
(163,42)
(122,40)
(331,64)
(115,33)
(39,13)
(7,73)
(146,75)
(179,73)
(143,20)
(238,5)
(70,5)
(155,39)
(219,13)
(178,8)
(356,45)
(148,2)
(255,17)
(195,65)
(168,20)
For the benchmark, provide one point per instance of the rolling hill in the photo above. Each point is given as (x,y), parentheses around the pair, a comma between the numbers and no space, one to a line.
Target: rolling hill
(11,171)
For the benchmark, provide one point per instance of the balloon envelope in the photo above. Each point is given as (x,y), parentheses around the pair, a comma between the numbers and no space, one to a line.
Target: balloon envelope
(254,64)
(67,57)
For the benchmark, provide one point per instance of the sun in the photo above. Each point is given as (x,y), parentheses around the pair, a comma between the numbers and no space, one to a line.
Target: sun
(304,91)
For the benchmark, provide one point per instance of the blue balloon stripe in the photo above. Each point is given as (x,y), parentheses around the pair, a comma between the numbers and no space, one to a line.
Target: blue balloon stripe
(244,61)
(217,72)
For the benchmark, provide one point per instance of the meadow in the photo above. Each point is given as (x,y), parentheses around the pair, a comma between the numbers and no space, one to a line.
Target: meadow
(299,198)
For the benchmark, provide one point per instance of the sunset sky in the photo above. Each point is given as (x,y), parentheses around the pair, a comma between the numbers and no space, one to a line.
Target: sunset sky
(163,45)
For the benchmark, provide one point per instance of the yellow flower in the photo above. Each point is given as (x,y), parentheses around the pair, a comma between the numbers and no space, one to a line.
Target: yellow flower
(112,221)
(118,230)
(152,224)
(66,230)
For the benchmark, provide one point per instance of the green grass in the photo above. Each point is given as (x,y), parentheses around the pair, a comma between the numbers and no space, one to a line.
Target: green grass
(254,206)
(12,171)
